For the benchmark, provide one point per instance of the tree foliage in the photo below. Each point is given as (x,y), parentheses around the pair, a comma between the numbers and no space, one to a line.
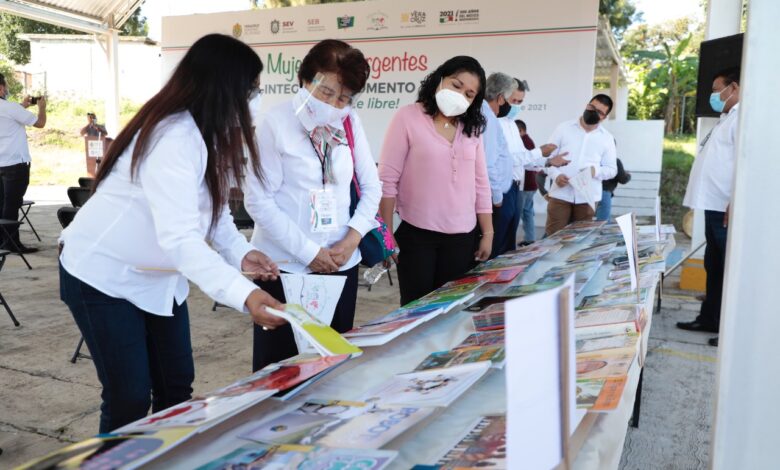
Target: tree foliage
(620,13)
(18,50)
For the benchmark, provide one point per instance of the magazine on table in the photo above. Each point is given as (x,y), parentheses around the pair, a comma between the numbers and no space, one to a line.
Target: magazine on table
(484,446)
(486,338)
(615,299)
(600,394)
(512,293)
(595,253)
(290,457)
(604,364)
(311,368)
(586,224)
(490,318)
(309,330)
(443,359)
(435,387)
(384,329)
(114,450)
(621,341)
(342,424)
(607,321)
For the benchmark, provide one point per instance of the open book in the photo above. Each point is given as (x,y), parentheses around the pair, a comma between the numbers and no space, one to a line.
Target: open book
(324,339)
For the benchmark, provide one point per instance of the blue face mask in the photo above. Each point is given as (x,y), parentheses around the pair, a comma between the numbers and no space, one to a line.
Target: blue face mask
(717,104)
(514,111)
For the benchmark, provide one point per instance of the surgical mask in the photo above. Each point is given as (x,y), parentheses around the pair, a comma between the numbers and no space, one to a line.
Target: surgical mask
(504,109)
(591,117)
(717,104)
(451,103)
(514,112)
(318,113)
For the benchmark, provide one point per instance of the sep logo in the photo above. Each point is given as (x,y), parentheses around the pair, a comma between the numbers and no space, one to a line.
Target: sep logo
(237,30)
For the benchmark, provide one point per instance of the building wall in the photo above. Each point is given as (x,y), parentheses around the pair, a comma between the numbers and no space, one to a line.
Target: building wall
(79,68)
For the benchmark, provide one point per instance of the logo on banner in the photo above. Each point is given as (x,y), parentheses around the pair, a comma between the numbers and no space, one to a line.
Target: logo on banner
(314,24)
(459,16)
(283,26)
(275,26)
(377,21)
(413,19)
(345,21)
(237,30)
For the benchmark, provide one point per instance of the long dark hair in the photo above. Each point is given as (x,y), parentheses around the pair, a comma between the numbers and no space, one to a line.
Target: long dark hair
(212,82)
(473,120)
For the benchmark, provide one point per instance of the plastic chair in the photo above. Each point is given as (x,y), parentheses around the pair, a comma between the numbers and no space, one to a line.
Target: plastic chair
(65,216)
(78,196)
(5,226)
(3,302)
(26,206)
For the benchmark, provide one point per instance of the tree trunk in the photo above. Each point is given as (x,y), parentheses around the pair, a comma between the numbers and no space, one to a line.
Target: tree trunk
(669,111)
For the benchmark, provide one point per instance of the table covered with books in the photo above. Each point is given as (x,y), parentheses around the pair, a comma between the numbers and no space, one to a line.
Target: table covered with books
(434,392)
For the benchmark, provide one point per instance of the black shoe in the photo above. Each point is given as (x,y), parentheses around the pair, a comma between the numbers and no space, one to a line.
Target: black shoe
(701,297)
(713,341)
(696,326)
(524,243)
(19,248)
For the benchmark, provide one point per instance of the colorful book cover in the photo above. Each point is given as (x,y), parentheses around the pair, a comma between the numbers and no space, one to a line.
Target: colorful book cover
(598,253)
(627,342)
(325,339)
(298,457)
(491,318)
(588,391)
(435,387)
(611,394)
(520,291)
(586,224)
(604,316)
(487,338)
(483,447)
(113,450)
(603,364)
(331,423)
(444,359)
(615,299)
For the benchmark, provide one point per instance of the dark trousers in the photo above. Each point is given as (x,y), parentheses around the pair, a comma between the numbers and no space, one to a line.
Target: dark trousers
(506,219)
(14,180)
(275,345)
(714,264)
(141,359)
(429,259)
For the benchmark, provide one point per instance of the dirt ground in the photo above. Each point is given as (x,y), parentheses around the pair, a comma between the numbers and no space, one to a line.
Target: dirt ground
(46,401)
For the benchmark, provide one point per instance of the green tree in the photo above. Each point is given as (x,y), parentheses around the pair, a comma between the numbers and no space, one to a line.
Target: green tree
(620,13)
(18,50)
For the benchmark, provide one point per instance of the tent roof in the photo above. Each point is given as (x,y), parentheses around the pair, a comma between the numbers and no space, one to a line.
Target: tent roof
(607,54)
(89,16)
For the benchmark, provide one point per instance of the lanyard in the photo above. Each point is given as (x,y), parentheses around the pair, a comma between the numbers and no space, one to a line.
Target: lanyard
(320,158)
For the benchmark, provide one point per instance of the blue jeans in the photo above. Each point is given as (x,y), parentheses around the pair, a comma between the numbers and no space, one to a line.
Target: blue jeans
(526,205)
(141,359)
(604,208)
(506,219)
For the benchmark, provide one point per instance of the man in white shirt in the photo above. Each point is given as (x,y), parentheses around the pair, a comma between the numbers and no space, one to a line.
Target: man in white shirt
(591,149)
(505,238)
(710,187)
(15,160)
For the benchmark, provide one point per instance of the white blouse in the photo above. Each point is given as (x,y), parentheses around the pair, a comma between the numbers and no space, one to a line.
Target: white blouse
(160,219)
(280,204)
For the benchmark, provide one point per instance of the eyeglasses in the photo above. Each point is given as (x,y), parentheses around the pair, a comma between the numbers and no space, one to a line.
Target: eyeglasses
(601,113)
(254,92)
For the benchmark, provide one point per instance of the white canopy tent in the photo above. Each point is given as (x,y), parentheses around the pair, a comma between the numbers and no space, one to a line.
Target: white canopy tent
(103,18)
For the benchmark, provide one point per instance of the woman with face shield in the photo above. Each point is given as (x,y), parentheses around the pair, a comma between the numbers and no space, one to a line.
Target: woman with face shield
(312,146)
(433,172)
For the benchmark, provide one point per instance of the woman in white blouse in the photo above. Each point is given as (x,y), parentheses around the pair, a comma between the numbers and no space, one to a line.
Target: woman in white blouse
(160,199)
(301,205)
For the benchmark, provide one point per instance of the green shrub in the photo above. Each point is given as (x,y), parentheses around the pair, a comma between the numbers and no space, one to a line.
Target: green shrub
(678,158)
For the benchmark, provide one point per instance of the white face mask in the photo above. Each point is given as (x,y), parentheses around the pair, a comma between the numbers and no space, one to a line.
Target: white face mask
(451,103)
(316,112)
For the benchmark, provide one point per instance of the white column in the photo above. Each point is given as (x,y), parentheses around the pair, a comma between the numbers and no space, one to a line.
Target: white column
(112,90)
(747,411)
(614,84)
(724,18)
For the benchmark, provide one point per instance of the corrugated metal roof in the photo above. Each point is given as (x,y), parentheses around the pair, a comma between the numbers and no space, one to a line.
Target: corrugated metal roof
(105,13)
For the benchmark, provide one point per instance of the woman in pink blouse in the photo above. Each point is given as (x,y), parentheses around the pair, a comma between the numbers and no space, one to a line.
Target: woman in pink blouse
(433,172)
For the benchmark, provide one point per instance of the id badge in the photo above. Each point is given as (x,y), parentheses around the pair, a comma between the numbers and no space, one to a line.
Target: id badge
(323,210)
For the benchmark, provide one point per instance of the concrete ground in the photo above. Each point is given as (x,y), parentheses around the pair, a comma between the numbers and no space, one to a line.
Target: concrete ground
(47,402)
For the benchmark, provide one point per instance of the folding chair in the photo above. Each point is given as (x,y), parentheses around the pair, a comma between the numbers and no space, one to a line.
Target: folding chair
(78,196)
(6,225)
(86,182)
(65,216)
(3,302)
(26,206)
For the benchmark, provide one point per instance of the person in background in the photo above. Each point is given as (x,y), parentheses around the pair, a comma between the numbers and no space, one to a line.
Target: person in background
(15,160)
(593,151)
(301,205)
(433,171)
(526,200)
(710,188)
(159,218)
(604,210)
(93,129)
